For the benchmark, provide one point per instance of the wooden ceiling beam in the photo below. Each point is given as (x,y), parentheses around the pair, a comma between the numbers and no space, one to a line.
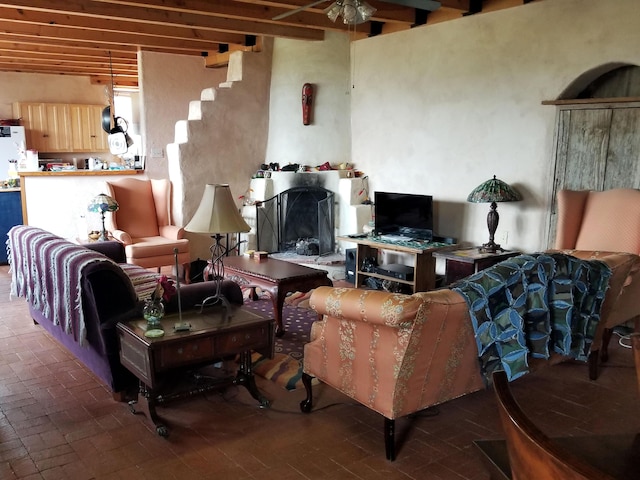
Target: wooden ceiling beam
(83,36)
(100,39)
(140,18)
(162,35)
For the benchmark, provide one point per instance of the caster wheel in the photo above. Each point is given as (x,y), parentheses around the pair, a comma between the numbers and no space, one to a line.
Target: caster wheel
(162,431)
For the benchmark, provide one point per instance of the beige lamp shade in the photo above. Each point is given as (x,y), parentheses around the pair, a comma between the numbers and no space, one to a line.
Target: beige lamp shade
(217,212)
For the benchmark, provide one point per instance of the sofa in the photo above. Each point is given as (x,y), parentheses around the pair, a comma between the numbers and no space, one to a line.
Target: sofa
(398,354)
(78,293)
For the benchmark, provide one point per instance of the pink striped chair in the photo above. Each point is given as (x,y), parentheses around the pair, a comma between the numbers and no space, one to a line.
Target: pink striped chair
(603,225)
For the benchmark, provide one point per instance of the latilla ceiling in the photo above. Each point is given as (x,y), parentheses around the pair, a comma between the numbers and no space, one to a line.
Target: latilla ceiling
(95,37)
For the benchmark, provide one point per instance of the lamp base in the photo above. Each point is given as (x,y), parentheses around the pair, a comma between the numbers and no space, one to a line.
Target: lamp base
(213,300)
(490,247)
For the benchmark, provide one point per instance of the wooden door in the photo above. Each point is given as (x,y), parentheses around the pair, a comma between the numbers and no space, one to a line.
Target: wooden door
(598,148)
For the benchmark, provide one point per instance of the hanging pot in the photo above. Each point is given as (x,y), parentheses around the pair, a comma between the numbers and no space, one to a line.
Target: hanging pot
(106,119)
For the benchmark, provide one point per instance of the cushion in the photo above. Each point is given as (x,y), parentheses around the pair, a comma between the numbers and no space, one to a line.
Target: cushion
(144,281)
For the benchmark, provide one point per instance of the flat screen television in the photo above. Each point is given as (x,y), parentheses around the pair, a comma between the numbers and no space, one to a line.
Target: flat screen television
(404,214)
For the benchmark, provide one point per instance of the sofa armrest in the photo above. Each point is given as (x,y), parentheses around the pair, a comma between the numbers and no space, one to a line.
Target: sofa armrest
(194,293)
(113,250)
(370,306)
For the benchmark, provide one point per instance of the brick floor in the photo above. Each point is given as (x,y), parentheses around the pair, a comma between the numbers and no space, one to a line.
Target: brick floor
(57,421)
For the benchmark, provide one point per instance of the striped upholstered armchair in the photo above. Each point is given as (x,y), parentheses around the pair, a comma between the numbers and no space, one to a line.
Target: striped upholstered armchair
(605,225)
(395,354)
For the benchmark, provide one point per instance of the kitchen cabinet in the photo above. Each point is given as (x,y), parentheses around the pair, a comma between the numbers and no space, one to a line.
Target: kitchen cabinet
(10,215)
(61,127)
(87,134)
(46,125)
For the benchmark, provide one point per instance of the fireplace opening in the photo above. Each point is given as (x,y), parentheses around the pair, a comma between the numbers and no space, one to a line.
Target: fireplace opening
(299,220)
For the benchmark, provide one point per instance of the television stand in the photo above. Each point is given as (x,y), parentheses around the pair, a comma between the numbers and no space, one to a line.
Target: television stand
(424,264)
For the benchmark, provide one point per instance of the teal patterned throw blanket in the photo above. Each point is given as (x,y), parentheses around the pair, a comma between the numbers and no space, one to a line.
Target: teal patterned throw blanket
(534,305)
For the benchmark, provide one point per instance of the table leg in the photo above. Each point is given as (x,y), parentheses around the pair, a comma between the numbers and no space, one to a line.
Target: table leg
(245,378)
(278,296)
(148,408)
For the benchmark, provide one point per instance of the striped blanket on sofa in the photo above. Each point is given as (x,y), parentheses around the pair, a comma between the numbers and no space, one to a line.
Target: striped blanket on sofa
(47,271)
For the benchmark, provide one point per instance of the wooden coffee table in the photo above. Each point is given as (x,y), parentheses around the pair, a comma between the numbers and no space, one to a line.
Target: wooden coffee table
(276,277)
(161,364)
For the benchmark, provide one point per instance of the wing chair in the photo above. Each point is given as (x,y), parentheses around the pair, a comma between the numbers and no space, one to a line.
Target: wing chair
(595,225)
(143,224)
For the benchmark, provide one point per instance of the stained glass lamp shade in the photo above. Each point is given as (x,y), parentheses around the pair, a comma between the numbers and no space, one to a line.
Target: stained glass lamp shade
(493,191)
(101,204)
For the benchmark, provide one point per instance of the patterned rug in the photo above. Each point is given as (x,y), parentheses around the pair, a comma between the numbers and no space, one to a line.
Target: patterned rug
(285,368)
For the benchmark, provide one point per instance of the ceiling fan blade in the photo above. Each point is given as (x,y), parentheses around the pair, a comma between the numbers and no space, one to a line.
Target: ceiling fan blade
(296,10)
(430,5)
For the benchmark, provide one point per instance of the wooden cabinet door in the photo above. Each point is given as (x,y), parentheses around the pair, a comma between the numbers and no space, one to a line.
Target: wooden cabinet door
(34,120)
(598,148)
(58,137)
(87,134)
(97,136)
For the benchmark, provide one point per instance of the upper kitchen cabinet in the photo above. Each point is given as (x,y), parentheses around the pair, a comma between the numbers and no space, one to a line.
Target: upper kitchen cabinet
(87,134)
(46,125)
(58,127)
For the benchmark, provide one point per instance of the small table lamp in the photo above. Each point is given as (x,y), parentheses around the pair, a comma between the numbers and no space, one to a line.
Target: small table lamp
(217,214)
(493,191)
(101,204)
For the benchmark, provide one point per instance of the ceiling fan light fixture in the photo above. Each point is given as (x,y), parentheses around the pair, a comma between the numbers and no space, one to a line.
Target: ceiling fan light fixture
(365,11)
(333,12)
(353,12)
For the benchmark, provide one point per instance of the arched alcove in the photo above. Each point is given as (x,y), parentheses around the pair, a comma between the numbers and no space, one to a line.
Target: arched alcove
(597,133)
(610,80)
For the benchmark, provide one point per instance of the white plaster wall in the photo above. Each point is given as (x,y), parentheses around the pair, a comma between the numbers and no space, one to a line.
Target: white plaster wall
(224,139)
(325,65)
(441,108)
(167,84)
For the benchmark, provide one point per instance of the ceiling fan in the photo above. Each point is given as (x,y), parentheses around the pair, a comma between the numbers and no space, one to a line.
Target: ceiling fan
(357,11)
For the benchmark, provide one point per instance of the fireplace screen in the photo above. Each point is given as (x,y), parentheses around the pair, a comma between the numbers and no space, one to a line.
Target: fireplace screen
(299,220)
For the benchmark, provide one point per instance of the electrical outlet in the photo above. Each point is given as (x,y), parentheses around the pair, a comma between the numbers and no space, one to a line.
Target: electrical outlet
(503,238)
(157,153)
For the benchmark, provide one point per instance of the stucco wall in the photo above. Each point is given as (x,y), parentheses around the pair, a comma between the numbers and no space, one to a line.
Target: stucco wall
(326,66)
(36,87)
(167,84)
(440,109)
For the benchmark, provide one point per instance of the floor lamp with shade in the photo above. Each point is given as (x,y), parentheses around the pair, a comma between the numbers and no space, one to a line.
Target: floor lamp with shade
(217,215)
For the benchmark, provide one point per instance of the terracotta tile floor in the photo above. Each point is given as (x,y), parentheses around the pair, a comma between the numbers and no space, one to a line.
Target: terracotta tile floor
(58,422)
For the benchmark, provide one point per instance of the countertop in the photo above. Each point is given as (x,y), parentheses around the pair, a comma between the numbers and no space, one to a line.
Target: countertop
(81,173)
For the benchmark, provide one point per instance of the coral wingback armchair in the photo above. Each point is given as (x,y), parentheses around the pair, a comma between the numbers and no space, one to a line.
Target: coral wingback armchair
(598,224)
(143,223)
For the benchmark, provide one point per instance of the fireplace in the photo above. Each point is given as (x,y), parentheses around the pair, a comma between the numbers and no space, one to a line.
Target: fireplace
(299,219)
(328,203)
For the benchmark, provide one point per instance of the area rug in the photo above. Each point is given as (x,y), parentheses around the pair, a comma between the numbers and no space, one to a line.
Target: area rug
(285,368)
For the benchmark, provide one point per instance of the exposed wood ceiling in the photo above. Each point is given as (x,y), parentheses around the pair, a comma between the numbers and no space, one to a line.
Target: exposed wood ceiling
(96,37)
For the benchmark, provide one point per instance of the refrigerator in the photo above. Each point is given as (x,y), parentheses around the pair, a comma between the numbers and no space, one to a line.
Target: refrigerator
(12,142)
